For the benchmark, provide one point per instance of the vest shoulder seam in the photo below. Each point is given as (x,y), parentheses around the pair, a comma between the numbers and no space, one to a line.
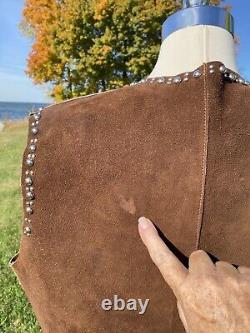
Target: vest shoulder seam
(82,97)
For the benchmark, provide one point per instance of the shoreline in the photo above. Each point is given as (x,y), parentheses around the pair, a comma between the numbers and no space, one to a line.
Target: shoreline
(7,123)
(6,120)
(17,111)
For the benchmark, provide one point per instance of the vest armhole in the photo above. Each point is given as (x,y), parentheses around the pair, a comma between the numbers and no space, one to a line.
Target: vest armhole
(13,260)
(27,184)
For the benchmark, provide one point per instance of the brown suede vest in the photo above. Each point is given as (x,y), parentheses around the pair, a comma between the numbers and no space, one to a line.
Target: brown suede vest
(175,150)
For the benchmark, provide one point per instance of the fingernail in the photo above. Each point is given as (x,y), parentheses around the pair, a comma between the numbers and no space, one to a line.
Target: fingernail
(144,222)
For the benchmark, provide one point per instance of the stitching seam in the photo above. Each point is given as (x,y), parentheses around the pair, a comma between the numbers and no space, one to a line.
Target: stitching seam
(204,161)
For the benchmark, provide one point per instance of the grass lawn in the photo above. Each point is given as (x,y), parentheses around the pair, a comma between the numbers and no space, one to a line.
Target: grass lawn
(15,312)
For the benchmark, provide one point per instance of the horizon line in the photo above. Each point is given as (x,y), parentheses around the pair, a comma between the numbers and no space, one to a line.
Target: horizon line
(25,102)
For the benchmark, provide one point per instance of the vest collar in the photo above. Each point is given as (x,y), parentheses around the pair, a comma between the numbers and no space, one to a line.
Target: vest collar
(212,67)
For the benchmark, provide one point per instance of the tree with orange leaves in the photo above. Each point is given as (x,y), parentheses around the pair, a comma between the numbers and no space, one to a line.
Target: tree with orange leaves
(81,47)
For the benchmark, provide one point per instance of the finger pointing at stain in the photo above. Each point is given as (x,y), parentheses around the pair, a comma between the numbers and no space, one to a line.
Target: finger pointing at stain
(172,270)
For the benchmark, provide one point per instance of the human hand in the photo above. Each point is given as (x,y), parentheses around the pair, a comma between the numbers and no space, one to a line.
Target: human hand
(211,298)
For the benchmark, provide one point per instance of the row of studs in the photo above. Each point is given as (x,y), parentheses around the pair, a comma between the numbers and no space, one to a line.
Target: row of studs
(228,74)
(29,182)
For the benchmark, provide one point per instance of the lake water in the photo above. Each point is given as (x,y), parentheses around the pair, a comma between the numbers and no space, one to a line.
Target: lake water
(16,110)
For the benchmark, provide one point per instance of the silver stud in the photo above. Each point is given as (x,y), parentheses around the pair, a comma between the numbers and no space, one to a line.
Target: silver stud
(211,66)
(34,130)
(32,147)
(31,172)
(27,172)
(223,69)
(177,79)
(29,195)
(29,210)
(31,203)
(37,116)
(31,188)
(26,219)
(241,80)
(211,71)
(197,73)
(186,79)
(186,74)
(36,122)
(27,231)
(29,162)
(232,76)
(161,80)
(28,181)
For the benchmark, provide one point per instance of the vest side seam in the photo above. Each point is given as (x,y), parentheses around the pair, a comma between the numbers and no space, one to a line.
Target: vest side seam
(204,159)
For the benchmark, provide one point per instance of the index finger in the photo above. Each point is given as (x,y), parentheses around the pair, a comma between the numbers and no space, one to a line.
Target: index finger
(172,270)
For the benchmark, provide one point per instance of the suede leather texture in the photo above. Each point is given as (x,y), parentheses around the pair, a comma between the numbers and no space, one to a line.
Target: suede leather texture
(177,154)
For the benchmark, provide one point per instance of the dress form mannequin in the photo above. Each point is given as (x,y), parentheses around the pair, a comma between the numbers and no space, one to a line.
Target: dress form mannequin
(176,150)
(197,34)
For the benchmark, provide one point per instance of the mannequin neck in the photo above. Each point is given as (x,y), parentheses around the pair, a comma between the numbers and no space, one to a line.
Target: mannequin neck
(188,48)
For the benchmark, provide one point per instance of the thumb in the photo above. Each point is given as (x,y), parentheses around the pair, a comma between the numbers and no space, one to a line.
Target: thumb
(172,270)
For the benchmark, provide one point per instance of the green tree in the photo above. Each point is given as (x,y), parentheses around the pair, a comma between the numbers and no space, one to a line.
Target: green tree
(86,46)
(82,47)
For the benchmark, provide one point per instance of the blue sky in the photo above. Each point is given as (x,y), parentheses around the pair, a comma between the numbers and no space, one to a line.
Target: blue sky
(241,10)
(14,48)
